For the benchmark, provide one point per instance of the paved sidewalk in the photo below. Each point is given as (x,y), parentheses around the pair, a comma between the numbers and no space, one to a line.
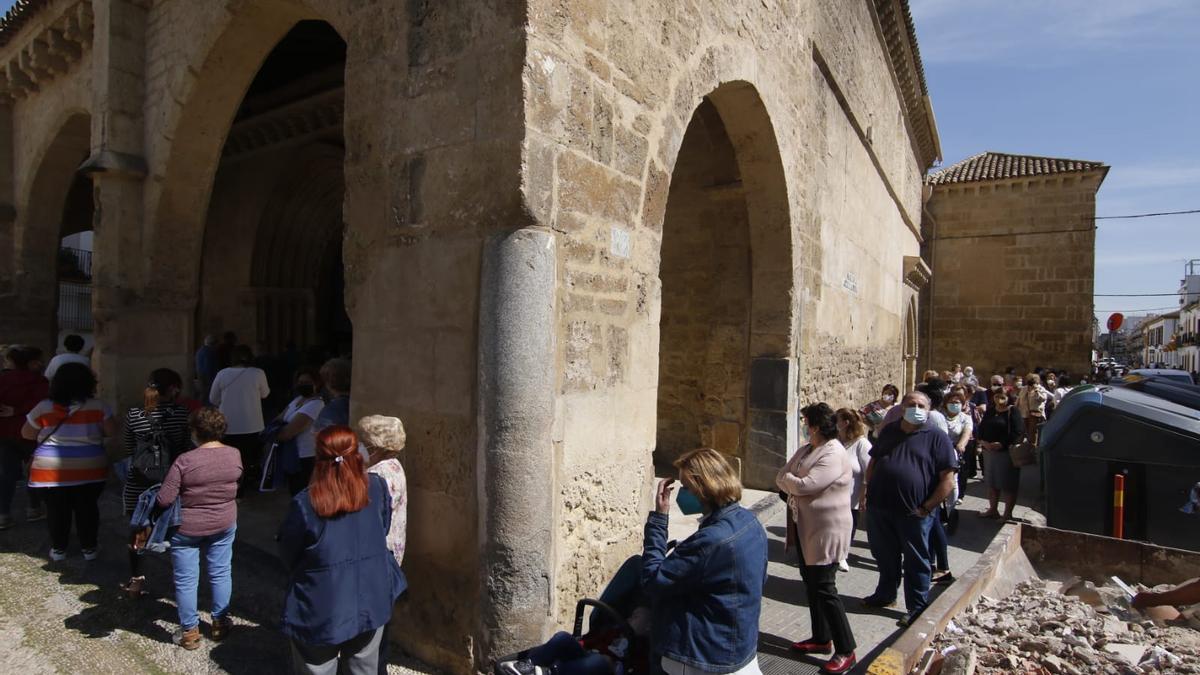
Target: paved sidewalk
(784,616)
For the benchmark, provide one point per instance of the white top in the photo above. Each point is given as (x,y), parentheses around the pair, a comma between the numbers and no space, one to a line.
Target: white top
(1060,393)
(306,442)
(937,419)
(958,426)
(860,456)
(60,359)
(238,392)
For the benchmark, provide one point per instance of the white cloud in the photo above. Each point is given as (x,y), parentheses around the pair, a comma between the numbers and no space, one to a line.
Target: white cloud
(1037,32)
(1165,174)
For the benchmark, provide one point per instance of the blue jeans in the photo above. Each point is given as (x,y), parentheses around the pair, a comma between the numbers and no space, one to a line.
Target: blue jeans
(939,544)
(564,653)
(185,560)
(900,537)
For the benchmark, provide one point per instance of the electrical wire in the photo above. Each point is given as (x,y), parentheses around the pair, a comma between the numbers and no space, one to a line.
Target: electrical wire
(1134,295)
(1147,215)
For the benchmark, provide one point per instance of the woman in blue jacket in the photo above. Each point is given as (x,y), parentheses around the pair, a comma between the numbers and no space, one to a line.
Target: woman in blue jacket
(343,579)
(707,594)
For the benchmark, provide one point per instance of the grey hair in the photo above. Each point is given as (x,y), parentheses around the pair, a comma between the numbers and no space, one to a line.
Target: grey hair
(917,395)
(382,432)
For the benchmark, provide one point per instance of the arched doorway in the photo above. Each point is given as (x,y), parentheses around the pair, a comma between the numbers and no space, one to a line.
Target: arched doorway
(271,270)
(54,236)
(726,366)
(909,347)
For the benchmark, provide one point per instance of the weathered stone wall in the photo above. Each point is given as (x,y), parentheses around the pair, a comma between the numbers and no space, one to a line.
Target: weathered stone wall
(832,188)
(1010,287)
(704,328)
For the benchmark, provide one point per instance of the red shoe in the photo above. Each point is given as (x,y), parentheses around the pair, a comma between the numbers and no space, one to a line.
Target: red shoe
(840,663)
(812,647)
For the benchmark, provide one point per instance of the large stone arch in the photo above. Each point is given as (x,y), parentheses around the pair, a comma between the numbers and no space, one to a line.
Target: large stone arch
(754,424)
(178,200)
(39,224)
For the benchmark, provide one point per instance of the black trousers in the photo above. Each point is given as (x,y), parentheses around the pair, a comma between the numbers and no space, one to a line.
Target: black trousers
(299,480)
(249,446)
(80,503)
(825,608)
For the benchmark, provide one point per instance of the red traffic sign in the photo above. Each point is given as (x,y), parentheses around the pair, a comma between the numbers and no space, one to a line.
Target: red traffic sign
(1115,321)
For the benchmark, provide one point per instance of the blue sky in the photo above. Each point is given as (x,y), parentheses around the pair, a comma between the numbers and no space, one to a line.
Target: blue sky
(1116,81)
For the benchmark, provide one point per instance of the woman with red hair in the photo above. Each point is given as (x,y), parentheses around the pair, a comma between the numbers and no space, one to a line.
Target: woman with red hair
(343,579)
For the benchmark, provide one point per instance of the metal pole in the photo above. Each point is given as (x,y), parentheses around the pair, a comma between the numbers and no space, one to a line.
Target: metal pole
(1118,506)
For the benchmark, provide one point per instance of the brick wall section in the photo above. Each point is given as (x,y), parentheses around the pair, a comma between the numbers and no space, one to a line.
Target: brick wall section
(1010,288)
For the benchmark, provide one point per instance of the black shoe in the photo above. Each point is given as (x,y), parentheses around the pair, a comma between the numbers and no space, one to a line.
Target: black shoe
(878,603)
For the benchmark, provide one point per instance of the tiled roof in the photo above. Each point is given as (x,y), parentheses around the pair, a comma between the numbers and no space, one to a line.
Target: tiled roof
(16,16)
(998,166)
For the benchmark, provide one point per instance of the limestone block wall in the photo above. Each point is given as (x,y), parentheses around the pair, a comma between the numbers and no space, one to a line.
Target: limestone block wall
(832,186)
(1010,287)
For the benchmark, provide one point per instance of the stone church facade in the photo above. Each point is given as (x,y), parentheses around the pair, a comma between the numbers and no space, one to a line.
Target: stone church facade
(565,240)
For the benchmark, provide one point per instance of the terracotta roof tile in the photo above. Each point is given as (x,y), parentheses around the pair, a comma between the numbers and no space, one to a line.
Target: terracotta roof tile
(998,166)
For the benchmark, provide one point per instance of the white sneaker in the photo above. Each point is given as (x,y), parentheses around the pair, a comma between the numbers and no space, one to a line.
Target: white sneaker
(843,566)
(520,668)
(57,555)
(90,554)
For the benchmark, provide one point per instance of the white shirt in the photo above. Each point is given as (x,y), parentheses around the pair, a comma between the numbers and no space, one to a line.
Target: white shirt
(860,457)
(306,442)
(959,425)
(238,392)
(60,359)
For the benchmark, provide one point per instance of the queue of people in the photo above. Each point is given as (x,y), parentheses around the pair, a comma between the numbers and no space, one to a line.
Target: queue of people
(901,463)
(184,468)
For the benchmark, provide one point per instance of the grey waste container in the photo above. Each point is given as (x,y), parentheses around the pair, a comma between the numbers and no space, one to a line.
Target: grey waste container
(1097,432)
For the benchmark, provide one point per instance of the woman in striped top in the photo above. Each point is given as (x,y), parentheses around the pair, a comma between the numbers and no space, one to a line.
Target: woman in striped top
(70,462)
(160,408)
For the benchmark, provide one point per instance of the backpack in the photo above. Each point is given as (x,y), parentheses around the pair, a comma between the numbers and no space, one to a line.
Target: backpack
(151,455)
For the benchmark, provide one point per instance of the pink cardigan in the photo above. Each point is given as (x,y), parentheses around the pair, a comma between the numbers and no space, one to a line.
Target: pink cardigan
(818,482)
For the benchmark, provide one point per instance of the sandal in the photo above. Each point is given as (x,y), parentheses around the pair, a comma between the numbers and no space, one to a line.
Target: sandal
(133,587)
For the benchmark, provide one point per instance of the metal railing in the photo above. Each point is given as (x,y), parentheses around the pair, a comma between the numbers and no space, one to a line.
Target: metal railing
(74,263)
(74,306)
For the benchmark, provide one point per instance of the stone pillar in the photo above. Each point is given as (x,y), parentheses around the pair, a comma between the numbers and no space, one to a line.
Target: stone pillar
(135,331)
(19,323)
(516,459)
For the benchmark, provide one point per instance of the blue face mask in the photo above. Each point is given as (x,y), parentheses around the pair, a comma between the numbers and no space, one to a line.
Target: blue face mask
(688,502)
(954,408)
(915,415)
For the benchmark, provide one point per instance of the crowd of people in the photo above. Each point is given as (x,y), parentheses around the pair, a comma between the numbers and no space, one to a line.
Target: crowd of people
(185,465)
(901,463)
(897,466)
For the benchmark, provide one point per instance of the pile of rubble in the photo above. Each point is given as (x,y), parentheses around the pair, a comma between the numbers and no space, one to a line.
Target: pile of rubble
(1072,628)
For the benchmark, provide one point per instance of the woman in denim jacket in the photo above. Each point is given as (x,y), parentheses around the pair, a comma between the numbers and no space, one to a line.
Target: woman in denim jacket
(707,594)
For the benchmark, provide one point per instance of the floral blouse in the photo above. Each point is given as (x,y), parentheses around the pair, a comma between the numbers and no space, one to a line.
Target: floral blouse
(392,473)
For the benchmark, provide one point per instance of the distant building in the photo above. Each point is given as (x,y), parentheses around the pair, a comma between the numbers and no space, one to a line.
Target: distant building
(1188,337)
(1159,344)
(1010,240)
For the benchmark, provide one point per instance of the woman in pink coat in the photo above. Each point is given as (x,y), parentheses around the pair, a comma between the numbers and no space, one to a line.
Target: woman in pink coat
(818,481)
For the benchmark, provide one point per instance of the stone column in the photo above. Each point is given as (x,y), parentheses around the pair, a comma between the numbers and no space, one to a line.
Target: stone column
(135,331)
(516,459)
(19,323)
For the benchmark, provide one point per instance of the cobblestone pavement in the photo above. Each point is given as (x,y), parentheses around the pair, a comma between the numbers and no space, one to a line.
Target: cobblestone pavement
(70,617)
(784,616)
